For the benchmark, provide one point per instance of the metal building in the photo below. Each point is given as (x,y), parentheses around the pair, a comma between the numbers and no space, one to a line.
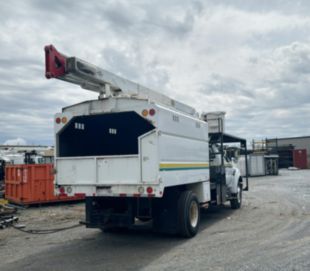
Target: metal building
(293,151)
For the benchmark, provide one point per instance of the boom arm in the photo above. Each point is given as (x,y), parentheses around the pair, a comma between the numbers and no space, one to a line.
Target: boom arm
(91,77)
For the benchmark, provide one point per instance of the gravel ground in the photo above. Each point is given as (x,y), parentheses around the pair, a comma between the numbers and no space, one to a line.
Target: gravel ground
(270,232)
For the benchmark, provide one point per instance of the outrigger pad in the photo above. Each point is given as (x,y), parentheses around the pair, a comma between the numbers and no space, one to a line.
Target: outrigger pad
(55,62)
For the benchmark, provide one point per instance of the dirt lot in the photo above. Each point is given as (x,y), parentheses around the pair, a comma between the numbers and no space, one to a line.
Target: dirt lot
(270,232)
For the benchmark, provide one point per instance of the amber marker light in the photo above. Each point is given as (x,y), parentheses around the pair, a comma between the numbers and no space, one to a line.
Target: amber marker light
(64,120)
(145,113)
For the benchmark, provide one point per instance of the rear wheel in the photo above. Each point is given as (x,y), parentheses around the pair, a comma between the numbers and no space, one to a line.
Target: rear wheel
(236,202)
(188,214)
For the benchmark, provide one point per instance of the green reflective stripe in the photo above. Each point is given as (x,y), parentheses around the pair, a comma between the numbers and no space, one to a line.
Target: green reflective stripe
(182,166)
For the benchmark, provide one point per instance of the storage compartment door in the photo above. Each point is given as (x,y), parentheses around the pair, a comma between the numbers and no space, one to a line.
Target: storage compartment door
(149,157)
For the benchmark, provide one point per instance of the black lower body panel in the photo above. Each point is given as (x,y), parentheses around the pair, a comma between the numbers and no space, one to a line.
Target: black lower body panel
(105,211)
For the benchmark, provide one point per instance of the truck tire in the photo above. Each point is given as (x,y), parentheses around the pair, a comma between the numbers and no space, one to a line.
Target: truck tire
(188,214)
(237,201)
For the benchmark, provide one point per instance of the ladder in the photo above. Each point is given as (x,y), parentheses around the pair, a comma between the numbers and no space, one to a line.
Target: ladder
(107,84)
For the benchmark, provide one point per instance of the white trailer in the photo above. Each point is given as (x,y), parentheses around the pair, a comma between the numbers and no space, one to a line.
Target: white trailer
(137,154)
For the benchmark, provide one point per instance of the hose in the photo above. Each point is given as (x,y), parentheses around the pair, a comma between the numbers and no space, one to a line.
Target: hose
(47,231)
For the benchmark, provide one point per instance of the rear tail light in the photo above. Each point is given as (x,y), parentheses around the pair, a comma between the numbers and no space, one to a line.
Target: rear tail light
(61,190)
(149,190)
(152,112)
(58,120)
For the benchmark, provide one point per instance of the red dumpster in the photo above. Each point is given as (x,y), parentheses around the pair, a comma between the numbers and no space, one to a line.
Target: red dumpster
(32,184)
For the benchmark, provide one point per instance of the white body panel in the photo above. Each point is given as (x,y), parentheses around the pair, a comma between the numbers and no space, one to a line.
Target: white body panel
(174,153)
(71,172)
(184,149)
(103,170)
(202,190)
(149,158)
(119,170)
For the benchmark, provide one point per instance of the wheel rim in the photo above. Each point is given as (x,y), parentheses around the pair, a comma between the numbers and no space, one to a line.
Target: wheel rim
(239,195)
(193,214)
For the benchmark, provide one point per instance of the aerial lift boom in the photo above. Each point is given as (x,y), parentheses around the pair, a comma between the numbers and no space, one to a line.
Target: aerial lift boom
(107,84)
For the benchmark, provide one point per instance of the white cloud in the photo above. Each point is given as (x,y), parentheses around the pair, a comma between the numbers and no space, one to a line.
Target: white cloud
(15,141)
(249,59)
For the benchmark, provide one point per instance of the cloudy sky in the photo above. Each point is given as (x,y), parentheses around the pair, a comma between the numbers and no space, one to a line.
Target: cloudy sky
(248,58)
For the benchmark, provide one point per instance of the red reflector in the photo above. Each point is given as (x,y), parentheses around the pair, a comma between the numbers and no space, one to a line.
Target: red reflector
(58,120)
(79,195)
(149,190)
(122,194)
(152,112)
(136,195)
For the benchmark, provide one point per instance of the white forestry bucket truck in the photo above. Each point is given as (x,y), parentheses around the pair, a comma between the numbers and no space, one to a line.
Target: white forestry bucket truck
(139,155)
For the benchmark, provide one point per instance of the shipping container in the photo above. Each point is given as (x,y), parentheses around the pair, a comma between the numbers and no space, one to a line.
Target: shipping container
(33,184)
(257,165)
(300,158)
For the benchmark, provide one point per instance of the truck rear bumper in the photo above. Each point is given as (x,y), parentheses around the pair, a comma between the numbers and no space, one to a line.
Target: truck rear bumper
(121,190)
